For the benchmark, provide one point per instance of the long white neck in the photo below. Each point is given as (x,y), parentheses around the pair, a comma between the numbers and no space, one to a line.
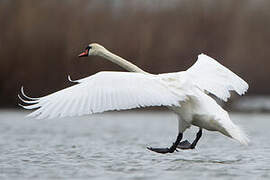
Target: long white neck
(120,61)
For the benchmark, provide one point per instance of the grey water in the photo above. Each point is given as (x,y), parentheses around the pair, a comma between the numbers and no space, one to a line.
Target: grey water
(113,146)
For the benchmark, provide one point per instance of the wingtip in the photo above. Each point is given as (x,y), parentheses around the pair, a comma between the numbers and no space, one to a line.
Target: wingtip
(26,101)
(25,96)
(203,55)
(70,80)
(20,105)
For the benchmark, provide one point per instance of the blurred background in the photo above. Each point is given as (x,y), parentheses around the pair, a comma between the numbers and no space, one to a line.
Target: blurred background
(40,41)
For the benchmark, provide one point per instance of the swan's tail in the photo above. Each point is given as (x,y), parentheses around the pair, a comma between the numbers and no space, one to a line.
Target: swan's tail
(239,135)
(236,133)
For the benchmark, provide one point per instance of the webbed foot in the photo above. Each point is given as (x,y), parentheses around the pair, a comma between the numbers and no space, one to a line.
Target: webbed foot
(187,145)
(161,150)
(184,145)
(168,150)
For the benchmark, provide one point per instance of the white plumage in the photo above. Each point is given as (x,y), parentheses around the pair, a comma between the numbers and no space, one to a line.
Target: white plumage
(184,92)
(211,76)
(105,91)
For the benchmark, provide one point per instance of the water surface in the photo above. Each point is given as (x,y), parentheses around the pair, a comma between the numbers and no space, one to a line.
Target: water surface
(113,146)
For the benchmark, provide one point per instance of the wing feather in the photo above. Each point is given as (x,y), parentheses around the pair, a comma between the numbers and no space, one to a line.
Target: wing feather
(104,91)
(211,76)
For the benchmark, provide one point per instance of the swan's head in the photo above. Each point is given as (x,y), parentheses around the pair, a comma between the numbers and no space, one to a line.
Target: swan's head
(92,50)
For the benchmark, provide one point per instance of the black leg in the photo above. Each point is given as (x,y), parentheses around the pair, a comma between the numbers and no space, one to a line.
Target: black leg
(168,150)
(198,136)
(186,145)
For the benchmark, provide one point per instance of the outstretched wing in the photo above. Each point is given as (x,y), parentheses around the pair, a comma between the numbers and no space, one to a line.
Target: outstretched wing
(101,92)
(211,76)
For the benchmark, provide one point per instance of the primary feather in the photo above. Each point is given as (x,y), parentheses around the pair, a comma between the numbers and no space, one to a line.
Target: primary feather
(105,91)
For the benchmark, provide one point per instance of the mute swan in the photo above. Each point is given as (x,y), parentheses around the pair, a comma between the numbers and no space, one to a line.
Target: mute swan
(186,93)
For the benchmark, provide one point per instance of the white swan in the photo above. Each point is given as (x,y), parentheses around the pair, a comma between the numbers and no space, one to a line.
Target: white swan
(186,93)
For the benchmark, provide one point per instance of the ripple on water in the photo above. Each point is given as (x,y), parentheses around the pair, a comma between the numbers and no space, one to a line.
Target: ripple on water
(113,146)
